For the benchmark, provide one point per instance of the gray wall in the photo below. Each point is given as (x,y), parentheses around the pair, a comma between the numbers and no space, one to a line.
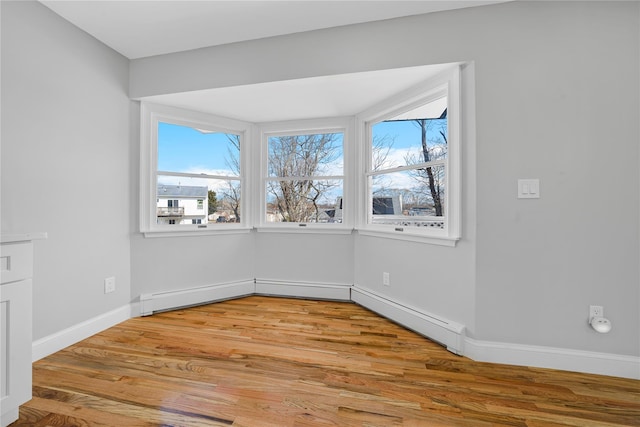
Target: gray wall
(556,99)
(566,112)
(174,263)
(306,258)
(65,163)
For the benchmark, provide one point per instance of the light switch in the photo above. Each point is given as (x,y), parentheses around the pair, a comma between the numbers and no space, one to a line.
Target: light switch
(528,189)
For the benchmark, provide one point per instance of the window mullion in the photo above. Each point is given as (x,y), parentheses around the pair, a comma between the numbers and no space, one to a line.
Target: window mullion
(433,163)
(305,178)
(198,175)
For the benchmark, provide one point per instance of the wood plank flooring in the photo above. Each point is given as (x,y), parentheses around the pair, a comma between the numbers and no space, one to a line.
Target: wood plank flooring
(261,361)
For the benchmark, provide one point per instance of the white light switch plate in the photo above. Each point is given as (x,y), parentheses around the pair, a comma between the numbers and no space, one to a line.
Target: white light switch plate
(528,189)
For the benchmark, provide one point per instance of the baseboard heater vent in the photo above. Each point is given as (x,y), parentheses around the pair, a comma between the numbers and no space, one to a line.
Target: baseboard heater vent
(163,301)
(449,334)
(171,300)
(309,290)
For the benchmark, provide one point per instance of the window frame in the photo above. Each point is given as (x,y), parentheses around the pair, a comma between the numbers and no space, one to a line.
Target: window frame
(446,83)
(344,125)
(150,116)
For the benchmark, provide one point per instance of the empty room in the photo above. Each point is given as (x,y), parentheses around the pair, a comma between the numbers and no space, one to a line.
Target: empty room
(300,213)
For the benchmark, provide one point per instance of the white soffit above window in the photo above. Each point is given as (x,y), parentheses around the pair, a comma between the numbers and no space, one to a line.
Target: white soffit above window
(432,110)
(316,97)
(139,29)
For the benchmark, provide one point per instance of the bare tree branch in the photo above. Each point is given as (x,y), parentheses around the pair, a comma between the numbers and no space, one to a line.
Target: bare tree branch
(303,157)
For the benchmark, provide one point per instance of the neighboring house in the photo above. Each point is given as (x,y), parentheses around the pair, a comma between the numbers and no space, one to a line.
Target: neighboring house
(382,205)
(327,215)
(274,216)
(387,205)
(182,204)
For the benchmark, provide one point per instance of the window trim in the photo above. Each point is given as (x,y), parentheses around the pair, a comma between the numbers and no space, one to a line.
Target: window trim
(152,114)
(344,125)
(449,83)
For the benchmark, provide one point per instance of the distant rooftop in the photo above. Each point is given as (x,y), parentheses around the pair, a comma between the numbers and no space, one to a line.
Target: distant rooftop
(181,191)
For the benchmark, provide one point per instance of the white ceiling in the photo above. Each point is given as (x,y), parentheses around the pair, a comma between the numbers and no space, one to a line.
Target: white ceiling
(145,28)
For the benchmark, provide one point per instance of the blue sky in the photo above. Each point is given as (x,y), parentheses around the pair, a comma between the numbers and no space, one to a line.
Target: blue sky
(183,149)
(406,135)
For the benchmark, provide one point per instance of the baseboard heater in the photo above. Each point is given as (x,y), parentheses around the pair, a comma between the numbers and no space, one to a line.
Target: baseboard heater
(449,334)
(171,300)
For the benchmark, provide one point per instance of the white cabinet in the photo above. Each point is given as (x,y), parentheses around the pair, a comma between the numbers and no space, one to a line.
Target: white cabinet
(16,270)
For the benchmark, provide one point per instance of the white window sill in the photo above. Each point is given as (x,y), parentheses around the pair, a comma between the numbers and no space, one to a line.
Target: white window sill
(411,237)
(195,232)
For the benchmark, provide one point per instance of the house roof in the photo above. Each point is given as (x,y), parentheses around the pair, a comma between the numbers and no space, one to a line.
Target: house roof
(181,191)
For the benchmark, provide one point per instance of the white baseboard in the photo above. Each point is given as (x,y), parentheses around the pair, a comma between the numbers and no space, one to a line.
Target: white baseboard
(150,303)
(62,339)
(553,358)
(327,291)
(10,416)
(448,333)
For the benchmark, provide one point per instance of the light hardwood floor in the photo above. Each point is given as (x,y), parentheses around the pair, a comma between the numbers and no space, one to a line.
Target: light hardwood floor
(261,361)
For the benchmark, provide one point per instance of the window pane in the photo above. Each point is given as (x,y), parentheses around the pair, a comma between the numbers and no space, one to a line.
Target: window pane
(190,150)
(304,201)
(409,198)
(183,200)
(306,155)
(417,136)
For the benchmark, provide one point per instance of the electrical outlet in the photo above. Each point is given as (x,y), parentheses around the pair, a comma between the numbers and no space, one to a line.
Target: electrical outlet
(109,285)
(596,311)
(385,279)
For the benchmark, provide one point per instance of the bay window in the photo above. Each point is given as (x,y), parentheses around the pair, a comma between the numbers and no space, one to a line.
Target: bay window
(392,171)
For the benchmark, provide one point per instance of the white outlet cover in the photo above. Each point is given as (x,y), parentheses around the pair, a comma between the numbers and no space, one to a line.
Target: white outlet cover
(109,284)
(596,311)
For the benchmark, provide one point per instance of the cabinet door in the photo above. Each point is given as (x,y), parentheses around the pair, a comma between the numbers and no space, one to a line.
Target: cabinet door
(15,347)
